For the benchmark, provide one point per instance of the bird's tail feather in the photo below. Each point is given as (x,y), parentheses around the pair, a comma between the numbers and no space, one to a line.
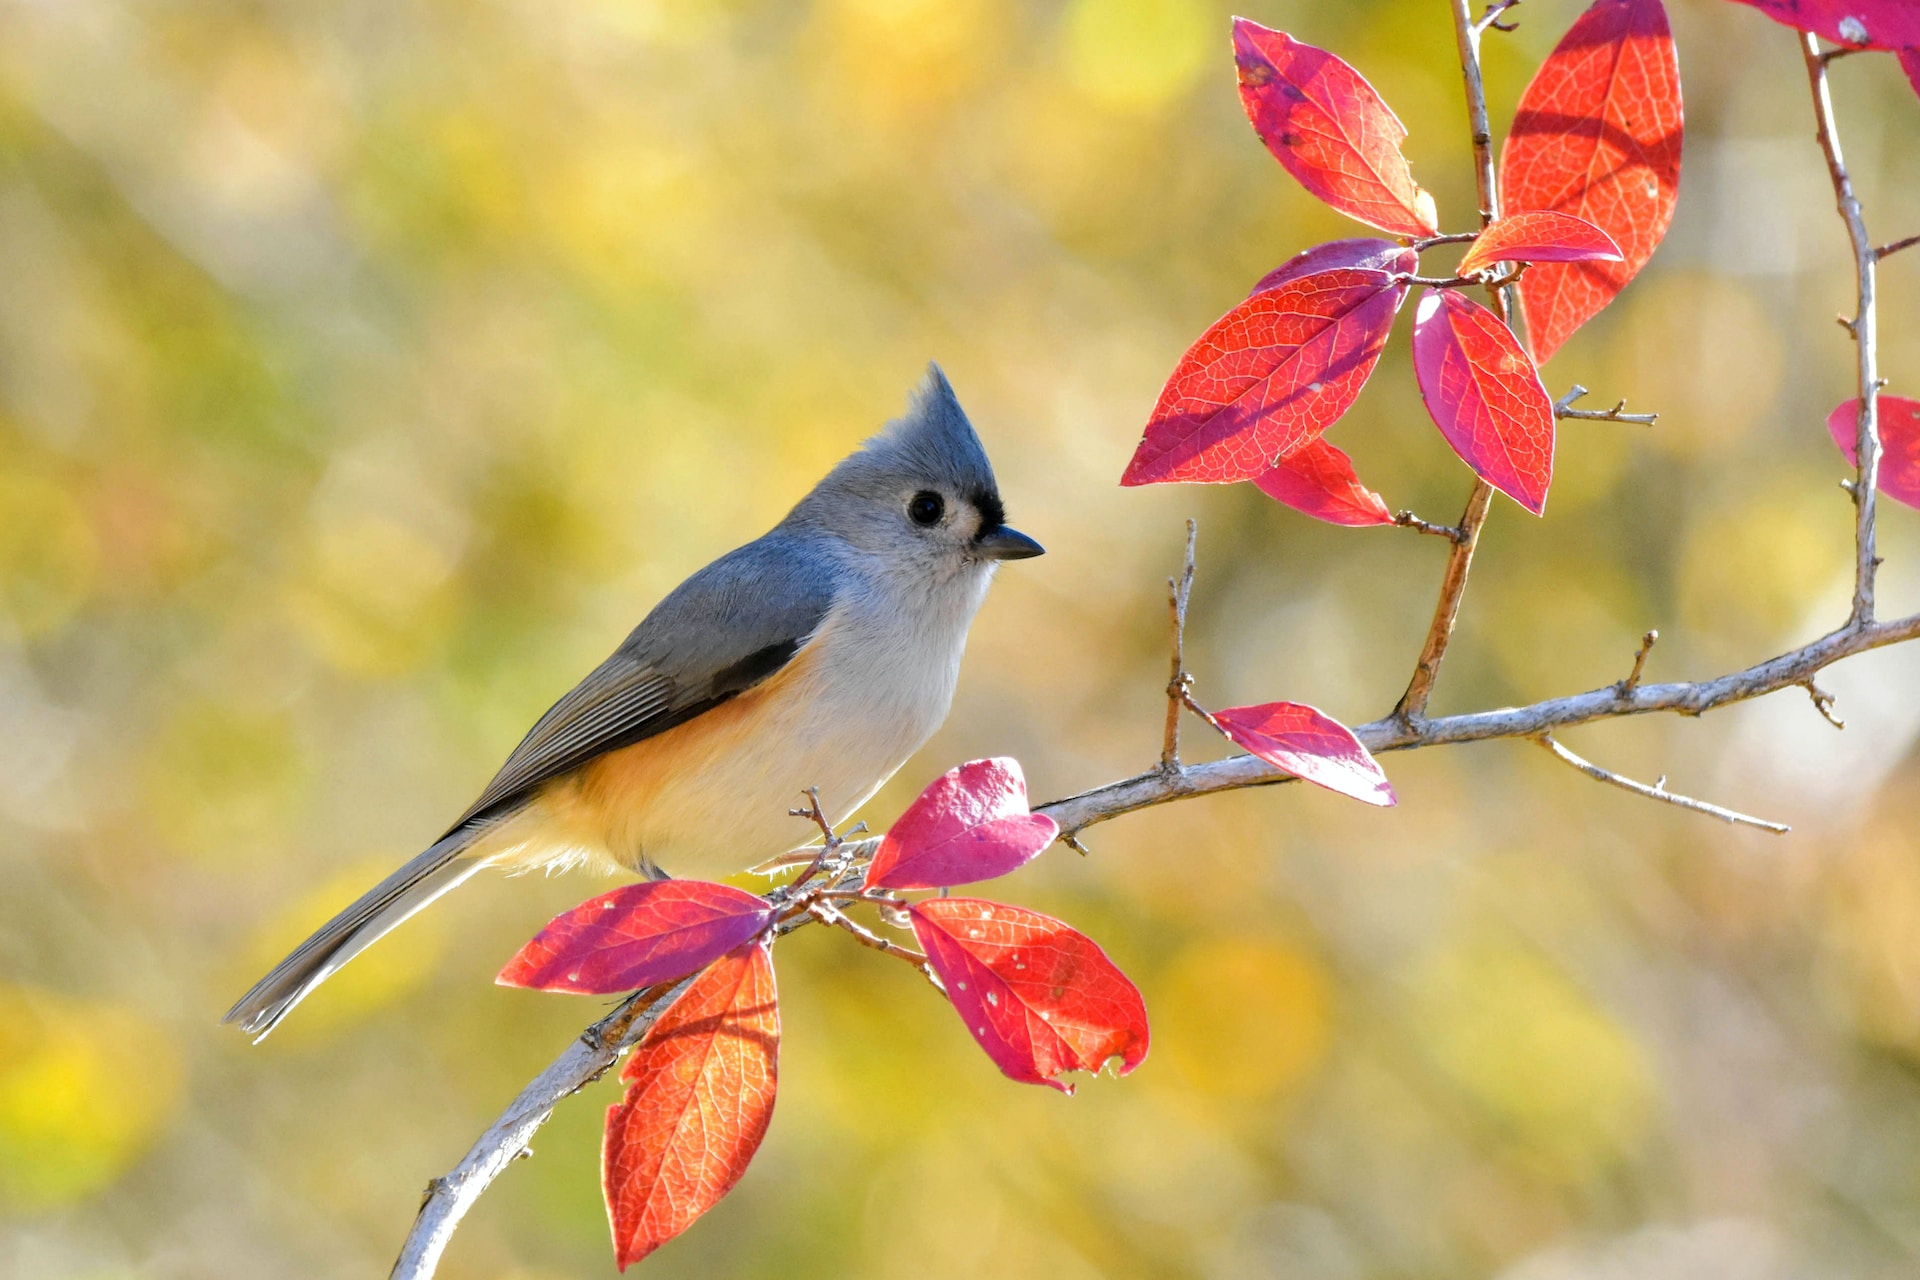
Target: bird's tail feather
(442,866)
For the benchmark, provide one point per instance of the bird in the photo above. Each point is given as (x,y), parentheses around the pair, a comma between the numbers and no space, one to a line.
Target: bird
(820,655)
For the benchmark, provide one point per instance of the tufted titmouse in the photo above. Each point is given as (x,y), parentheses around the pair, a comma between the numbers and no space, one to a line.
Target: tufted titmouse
(822,654)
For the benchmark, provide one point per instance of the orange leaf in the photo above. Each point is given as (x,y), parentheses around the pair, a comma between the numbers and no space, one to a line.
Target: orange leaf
(701,1088)
(1597,135)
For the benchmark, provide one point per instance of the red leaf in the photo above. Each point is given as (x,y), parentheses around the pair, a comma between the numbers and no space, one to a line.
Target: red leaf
(701,1088)
(1899,420)
(971,824)
(1875,24)
(1597,135)
(1328,128)
(1267,377)
(637,935)
(1485,395)
(1910,63)
(1041,998)
(1366,254)
(1308,744)
(1318,479)
(1539,235)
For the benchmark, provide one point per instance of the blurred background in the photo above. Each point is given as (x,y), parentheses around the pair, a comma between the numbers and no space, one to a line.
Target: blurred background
(368,368)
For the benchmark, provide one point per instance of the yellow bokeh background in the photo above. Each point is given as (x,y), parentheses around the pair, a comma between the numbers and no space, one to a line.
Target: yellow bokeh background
(367,370)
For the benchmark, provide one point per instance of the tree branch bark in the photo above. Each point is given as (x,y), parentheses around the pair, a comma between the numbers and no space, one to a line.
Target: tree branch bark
(1412,708)
(1863,327)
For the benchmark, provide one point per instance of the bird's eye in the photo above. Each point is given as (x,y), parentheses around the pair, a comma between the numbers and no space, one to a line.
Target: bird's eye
(926,508)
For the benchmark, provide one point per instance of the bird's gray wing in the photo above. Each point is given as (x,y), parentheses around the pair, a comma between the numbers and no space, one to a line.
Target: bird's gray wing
(722,631)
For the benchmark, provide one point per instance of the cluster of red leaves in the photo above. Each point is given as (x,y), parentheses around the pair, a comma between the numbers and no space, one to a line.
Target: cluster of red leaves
(1590,168)
(1039,997)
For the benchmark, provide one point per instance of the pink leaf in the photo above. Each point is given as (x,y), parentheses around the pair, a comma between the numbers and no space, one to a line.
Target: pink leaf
(637,935)
(1539,235)
(1042,999)
(1319,480)
(971,824)
(1267,377)
(1899,421)
(1366,254)
(1597,135)
(1308,744)
(1485,395)
(1328,128)
(1875,24)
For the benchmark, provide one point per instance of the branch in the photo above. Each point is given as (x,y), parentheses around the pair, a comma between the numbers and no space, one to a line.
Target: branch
(1453,582)
(1863,327)
(1658,791)
(1562,408)
(1408,520)
(1178,592)
(507,1139)
(1632,681)
(1391,733)
(1888,250)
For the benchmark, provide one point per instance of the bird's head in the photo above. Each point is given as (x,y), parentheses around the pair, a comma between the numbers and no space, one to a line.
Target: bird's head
(920,496)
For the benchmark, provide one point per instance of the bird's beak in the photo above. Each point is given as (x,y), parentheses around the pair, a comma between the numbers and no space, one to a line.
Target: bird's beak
(1007,544)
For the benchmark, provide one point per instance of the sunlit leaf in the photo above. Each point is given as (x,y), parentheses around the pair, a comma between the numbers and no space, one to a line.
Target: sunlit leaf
(1319,480)
(1330,129)
(1041,998)
(1899,420)
(1485,395)
(700,1093)
(1597,135)
(637,935)
(970,824)
(1875,24)
(1539,235)
(1310,745)
(1270,375)
(1362,254)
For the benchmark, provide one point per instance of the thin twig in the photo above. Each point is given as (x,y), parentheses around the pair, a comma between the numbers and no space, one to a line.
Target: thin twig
(1632,682)
(1863,327)
(1491,18)
(1408,520)
(1179,591)
(1563,408)
(1461,282)
(825,913)
(1658,791)
(1458,237)
(1412,707)
(1888,250)
(1823,703)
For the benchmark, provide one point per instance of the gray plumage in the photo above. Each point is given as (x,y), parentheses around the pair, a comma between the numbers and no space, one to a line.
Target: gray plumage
(867,602)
